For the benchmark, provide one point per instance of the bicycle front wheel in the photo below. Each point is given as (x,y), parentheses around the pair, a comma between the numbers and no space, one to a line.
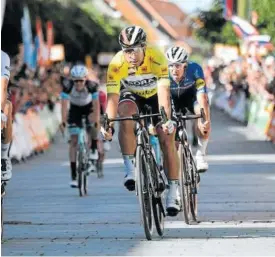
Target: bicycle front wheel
(80,172)
(184,180)
(144,192)
(194,189)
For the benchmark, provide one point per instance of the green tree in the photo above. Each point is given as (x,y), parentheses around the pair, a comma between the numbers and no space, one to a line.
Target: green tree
(215,28)
(266,12)
(74,26)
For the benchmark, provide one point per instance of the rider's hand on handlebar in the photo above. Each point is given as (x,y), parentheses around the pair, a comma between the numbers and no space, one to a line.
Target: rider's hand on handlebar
(4,119)
(168,127)
(204,127)
(107,134)
(62,127)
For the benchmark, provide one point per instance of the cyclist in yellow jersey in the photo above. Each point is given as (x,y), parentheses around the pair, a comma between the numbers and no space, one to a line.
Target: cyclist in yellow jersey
(138,76)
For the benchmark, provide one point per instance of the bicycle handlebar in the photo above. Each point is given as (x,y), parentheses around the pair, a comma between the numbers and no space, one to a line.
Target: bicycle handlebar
(192,117)
(137,117)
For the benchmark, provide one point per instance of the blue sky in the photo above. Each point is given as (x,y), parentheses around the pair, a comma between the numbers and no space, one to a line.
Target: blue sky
(191,5)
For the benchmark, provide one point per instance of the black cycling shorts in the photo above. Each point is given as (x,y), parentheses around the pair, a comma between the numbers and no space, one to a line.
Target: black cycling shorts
(77,112)
(126,95)
(185,102)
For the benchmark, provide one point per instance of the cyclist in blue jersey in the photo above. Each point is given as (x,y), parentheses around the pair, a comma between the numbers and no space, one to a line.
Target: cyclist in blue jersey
(188,90)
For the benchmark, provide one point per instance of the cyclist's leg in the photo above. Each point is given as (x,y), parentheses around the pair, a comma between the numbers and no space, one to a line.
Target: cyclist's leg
(128,105)
(6,166)
(171,164)
(92,130)
(74,122)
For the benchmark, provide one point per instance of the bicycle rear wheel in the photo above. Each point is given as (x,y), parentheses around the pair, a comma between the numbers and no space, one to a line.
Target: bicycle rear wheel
(144,192)
(184,182)
(158,214)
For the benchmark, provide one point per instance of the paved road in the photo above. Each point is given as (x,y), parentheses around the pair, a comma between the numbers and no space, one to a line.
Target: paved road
(43,216)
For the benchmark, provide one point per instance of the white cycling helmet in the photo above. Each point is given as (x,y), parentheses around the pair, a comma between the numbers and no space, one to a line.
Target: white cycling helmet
(177,54)
(79,72)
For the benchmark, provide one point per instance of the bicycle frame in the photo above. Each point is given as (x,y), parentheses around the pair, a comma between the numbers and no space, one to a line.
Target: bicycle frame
(82,138)
(144,142)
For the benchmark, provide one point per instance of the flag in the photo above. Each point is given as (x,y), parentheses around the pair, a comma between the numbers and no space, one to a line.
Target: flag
(42,50)
(50,40)
(243,28)
(27,36)
(227,8)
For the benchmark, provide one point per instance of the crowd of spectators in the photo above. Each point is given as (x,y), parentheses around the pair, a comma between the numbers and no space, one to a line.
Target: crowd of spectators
(254,76)
(30,89)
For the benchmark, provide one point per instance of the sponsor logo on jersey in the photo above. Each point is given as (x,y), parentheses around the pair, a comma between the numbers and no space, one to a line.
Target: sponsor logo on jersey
(164,70)
(200,83)
(141,83)
(144,68)
(115,69)
(111,85)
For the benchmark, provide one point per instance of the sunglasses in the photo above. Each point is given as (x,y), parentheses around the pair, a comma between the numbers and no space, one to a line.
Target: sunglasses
(79,80)
(135,50)
(177,65)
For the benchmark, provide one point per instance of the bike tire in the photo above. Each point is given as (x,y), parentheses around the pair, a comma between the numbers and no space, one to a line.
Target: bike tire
(2,220)
(158,215)
(184,187)
(194,188)
(99,169)
(80,172)
(144,192)
(157,201)
(85,183)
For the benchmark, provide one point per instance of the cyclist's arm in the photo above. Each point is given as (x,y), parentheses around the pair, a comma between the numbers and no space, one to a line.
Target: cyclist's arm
(65,100)
(164,98)
(113,91)
(96,105)
(202,96)
(163,83)
(5,76)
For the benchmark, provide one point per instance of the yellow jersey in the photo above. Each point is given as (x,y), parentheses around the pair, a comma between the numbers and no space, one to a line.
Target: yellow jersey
(142,80)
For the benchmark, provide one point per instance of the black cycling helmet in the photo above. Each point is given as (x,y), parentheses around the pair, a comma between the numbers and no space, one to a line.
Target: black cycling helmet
(132,36)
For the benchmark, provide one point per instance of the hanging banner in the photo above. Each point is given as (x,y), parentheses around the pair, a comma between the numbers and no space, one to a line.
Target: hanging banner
(42,51)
